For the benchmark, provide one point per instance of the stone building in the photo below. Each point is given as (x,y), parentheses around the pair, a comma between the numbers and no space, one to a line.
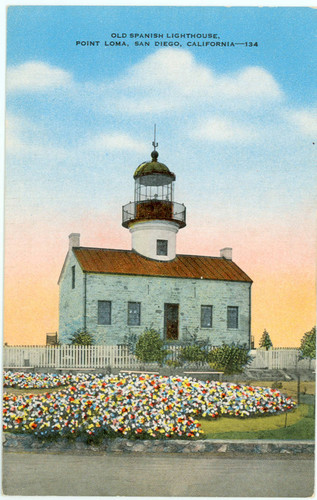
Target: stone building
(114,292)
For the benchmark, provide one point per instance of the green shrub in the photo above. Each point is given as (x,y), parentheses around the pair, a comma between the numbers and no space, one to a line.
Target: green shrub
(194,349)
(193,354)
(173,363)
(150,347)
(82,337)
(277,385)
(230,359)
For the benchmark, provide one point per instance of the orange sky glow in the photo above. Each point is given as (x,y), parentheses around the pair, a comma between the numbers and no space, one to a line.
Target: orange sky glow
(283,290)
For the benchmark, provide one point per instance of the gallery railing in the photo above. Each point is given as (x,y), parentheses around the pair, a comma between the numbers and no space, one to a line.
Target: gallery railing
(153,210)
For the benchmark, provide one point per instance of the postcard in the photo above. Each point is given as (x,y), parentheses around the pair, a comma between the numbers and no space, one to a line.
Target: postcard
(160,178)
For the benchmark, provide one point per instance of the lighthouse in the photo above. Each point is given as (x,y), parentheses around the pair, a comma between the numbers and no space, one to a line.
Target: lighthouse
(154,218)
(111,292)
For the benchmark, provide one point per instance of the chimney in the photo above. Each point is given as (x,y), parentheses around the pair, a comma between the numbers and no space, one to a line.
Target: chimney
(74,240)
(226,253)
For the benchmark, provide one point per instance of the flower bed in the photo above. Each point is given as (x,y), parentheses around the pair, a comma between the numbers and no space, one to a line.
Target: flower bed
(22,380)
(145,406)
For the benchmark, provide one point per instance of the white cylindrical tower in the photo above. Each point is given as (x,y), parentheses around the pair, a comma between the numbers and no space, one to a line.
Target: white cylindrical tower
(154,218)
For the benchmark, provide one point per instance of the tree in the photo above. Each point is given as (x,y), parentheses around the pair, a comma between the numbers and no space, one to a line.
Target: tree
(308,344)
(82,337)
(150,347)
(265,341)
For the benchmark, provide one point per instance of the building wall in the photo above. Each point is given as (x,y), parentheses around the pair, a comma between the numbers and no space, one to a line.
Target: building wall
(152,293)
(71,300)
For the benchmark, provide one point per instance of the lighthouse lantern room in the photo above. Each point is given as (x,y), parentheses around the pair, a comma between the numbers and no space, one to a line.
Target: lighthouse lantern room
(154,218)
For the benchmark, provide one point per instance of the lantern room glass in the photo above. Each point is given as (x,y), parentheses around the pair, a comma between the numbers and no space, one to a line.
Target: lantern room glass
(154,187)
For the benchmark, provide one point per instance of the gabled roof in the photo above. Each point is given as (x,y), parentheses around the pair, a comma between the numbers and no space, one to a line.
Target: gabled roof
(102,260)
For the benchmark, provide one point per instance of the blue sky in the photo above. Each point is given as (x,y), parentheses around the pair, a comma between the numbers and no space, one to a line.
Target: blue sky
(235,124)
(286,36)
(99,92)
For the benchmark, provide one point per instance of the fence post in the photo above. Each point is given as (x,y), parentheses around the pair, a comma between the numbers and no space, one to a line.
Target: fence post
(298,388)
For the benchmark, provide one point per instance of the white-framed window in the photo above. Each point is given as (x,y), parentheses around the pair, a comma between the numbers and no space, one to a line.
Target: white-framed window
(134,313)
(161,247)
(104,312)
(206,316)
(232,317)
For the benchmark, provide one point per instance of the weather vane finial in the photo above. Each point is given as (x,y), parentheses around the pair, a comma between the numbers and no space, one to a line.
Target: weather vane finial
(154,143)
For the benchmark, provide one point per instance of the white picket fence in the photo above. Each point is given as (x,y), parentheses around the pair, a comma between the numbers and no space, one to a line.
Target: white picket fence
(277,359)
(72,356)
(118,356)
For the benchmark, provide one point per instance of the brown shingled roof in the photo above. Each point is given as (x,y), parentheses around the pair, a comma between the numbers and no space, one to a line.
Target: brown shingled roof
(102,260)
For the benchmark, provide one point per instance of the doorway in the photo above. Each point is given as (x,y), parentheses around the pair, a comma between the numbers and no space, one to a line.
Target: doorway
(171,321)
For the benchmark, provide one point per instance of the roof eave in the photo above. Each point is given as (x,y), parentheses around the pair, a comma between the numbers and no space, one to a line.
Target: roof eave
(198,278)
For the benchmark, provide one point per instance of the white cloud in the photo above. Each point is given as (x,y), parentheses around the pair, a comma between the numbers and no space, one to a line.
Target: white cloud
(178,68)
(305,120)
(170,67)
(167,80)
(249,82)
(115,142)
(36,77)
(218,129)
(171,79)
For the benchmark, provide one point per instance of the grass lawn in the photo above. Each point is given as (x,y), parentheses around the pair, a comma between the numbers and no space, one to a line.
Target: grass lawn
(300,424)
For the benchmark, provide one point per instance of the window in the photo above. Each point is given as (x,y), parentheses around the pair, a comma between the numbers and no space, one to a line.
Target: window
(104,312)
(206,317)
(73,276)
(232,317)
(134,313)
(161,247)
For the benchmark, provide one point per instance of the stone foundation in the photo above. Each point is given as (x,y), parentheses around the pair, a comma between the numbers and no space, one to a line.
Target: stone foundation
(27,442)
